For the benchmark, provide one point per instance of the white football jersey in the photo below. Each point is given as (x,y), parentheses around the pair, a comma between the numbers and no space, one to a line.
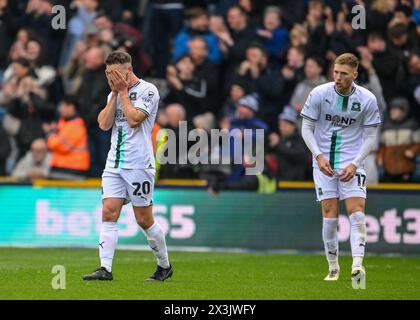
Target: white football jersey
(340,121)
(131,148)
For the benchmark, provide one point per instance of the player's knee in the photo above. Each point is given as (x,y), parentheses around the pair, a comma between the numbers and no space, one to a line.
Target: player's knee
(330,214)
(144,221)
(109,214)
(356,208)
(330,211)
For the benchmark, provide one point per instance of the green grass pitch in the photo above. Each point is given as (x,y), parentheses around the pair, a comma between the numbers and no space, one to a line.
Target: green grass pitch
(26,274)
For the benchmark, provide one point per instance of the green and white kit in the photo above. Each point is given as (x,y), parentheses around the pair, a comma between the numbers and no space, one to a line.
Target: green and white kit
(130,167)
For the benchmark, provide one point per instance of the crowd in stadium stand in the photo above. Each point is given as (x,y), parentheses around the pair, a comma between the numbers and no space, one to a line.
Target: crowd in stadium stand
(217,64)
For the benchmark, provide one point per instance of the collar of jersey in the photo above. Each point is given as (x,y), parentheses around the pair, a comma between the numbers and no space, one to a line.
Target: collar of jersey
(134,85)
(343,95)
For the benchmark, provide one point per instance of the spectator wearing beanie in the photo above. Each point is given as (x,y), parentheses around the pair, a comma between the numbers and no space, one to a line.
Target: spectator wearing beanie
(289,147)
(400,143)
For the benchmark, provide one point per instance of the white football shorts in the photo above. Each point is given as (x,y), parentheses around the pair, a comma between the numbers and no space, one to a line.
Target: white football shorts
(331,187)
(135,185)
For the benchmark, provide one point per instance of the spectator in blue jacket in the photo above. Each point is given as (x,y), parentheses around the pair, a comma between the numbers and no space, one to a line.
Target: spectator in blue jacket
(197,25)
(245,118)
(272,35)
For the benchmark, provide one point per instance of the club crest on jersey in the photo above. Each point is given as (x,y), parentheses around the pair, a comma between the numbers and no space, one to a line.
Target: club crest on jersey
(119,115)
(355,106)
(150,94)
(338,121)
(133,96)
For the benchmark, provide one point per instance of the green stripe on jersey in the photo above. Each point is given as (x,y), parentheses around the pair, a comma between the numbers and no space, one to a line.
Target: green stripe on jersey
(339,103)
(335,148)
(342,103)
(345,103)
(124,135)
(119,156)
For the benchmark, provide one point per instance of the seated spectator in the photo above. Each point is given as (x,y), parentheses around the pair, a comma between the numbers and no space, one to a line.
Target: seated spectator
(413,81)
(34,52)
(86,12)
(246,114)
(256,61)
(380,12)
(245,118)
(400,41)
(289,147)
(91,96)
(294,67)
(197,25)
(124,37)
(299,36)
(68,143)
(17,49)
(72,73)
(173,114)
(218,27)
(313,77)
(317,40)
(38,17)
(27,106)
(370,80)
(36,162)
(292,72)
(263,79)
(272,35)
(242,34)
(400,143)
(238,90)
(387,64)
(207,70)
(403,15)
(186,88)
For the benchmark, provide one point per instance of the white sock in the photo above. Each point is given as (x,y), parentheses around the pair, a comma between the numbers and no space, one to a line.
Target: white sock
(357,237)
(329,235)
(107,243)
(157,243)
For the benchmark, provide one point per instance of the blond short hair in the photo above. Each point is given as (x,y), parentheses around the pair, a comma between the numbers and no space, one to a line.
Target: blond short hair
(347,59)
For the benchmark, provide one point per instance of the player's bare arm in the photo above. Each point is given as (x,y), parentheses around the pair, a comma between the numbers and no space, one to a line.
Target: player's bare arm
(308,128)
(134,116)
(107,116)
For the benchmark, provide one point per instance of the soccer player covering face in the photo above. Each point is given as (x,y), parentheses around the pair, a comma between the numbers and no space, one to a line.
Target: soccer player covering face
(130,168)
(340,124)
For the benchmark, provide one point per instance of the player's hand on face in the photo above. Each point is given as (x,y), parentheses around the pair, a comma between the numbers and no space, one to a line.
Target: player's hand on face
(120,82)
(348,173)
(111,85)
(110,77)
(324,166)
